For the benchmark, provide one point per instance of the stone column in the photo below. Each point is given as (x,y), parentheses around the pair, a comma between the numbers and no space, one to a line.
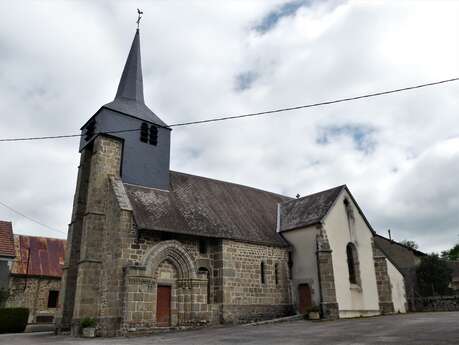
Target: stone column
(328,305)
(386,305)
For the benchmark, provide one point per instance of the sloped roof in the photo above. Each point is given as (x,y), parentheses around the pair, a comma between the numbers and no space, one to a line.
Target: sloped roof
(129,96)
(6,240)
(307,210)
(46,256)
(403,257)
(205,207)
(129,99)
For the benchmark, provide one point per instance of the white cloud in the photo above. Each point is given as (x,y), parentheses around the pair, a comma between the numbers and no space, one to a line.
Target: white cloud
(63,61)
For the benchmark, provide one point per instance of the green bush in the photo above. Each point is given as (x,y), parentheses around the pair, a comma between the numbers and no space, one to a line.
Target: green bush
(13,320)
(88,322)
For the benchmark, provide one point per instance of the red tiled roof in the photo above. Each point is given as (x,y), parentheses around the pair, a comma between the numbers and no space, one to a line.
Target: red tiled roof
(6,239)
(46,256)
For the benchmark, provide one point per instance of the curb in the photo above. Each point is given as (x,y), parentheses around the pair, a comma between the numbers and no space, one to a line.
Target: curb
(278,320)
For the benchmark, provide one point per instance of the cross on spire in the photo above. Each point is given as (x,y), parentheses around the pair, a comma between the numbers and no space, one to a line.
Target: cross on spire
(139,16)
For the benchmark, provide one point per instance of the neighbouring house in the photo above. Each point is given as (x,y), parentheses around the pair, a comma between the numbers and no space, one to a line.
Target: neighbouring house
(35,277)
(7,253)
(149,247)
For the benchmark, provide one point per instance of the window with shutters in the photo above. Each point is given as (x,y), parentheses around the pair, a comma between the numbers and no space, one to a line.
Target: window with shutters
(153,136)
(144,132)
(149,134)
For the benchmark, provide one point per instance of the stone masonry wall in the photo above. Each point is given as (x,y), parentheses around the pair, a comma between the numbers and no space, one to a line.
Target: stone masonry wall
(329,305)
(383,283)
(245,296)
(64,313)
(34,296)
(437,303)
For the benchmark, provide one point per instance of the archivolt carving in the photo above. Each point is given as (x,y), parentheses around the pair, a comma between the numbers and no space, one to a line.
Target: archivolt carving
(174,252)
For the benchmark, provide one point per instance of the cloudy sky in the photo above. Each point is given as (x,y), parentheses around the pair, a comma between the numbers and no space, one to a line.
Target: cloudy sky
(399,154)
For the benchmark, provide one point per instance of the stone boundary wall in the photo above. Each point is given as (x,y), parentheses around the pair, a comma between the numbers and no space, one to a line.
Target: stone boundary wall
(437,303)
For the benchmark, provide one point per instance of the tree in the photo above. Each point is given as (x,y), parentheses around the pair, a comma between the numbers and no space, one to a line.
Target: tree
(451,254)
(410,244)
(433,276)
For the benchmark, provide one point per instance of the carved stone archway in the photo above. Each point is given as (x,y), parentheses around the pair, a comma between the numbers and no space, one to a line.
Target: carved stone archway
(188,288)
(173,251)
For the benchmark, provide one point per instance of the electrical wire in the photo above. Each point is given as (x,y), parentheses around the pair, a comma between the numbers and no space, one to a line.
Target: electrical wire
(30,218)
(268,112)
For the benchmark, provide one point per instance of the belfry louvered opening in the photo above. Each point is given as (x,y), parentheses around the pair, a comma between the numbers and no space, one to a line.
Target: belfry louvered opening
(149,134)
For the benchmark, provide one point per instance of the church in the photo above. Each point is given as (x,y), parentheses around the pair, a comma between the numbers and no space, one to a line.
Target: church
(151,248)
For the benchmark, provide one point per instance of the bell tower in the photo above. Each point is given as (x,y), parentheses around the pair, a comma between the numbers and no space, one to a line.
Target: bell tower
(126,141)
(145,137)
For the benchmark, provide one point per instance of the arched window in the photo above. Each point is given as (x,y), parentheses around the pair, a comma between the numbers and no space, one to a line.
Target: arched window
(353,264)
(203,247)
(262,273)
(276,274)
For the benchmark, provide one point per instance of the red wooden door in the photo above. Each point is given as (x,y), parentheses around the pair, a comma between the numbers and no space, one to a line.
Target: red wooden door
(163,306)
(304,295)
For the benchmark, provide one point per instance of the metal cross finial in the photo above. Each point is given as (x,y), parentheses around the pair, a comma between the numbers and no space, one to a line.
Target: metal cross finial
(139,16)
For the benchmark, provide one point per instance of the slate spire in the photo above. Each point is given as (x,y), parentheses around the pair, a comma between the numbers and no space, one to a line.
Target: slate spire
(131,83)
(129,96)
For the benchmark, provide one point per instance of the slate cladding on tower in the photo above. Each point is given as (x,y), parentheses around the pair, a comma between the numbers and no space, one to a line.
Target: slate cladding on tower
(145,137)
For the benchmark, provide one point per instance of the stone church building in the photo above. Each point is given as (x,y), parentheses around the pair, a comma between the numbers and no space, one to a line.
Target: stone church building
(149,247)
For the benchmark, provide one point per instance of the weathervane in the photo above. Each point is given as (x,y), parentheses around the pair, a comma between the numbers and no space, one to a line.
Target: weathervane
(139,16)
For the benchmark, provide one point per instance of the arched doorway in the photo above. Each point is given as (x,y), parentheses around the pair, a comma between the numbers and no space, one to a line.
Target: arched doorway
(174,285)
(304,298)
(166,277)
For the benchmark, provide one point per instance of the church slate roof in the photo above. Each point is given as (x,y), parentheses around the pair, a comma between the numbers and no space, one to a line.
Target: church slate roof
(129,99)
(401,256)
(307,210)
(6,240)
(38,256)
(210,208)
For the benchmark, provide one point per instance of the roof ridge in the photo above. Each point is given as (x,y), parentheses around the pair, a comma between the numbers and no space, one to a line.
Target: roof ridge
(400,244)
(232,183)
(50,238)
(316,193)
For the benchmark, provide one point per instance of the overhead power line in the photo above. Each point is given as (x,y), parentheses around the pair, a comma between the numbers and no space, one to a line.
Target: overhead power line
(31,219)
(340,100)
(268,112)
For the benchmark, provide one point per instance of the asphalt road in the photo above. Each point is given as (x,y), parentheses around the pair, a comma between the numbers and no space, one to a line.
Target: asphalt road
(419,328)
